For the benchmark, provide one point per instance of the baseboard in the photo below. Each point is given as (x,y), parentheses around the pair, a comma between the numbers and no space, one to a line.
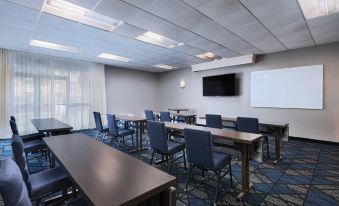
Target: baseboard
(314,140)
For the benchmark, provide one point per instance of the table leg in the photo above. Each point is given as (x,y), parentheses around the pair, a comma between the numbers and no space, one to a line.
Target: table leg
(137,135)
(245,172)
(141,127)
(277,137)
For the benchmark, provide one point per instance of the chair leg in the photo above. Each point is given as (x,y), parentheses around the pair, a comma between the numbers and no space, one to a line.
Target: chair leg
(218,184)
(132,136)
(119,143)
(268,149)
(153,153)
(184,154)
(188,176)
(170,163)
(111,141)
(202,174)
(231,175)
(37,202)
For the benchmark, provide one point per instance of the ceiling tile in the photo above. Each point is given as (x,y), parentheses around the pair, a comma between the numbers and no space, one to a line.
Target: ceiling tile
(18,23)
(277,16)
(57,22)
(33,4)
(216,8)
(129,30)
(50,31)
(140,3)
(116,9)
(17,11)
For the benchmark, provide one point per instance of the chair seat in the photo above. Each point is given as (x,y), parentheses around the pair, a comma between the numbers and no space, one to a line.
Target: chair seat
(175,147)
(77,202)
(32,137)
(220,160)
(34,146)
(48,181)
(125,132)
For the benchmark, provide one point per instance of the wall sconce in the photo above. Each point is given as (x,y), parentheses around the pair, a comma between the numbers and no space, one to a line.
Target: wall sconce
(182,84)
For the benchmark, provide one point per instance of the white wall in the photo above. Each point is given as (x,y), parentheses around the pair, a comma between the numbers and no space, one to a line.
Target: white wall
(316,124)
(130,91)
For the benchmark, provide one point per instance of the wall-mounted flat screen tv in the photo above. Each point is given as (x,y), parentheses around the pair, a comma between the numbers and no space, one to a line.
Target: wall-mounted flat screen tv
(221,85)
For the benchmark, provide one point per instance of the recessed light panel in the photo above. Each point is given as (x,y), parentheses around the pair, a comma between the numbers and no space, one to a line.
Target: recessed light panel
(317,8)
(208,56)
(79,14)
(114,57)
(164,66)
(158,40)
(54,46)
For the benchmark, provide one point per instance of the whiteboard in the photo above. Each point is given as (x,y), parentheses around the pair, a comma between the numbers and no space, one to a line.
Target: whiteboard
(297,87)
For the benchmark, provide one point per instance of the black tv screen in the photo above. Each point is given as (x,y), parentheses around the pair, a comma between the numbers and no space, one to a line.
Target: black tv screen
(221,85)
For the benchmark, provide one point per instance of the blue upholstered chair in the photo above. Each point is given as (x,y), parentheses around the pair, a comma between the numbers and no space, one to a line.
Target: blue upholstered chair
(214,121)
(101,130)
(165,117)
(118,133)
(149,115)
(251,125)
(42,183)
(13,188)
(29,146)
(200,154)
(161,145)
(27,137)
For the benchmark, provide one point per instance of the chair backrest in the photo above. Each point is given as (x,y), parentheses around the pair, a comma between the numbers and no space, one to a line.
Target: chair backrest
(165,117)
(13,118)
(214,121)
(98,122)
(149,115)
(157,136)
(199,148)
(14,127)
(20,159)
(12,187)
(248,124)
(112,125)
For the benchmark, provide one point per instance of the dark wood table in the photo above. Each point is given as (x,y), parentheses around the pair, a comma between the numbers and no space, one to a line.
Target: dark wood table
(279,131)
(139,123)
(178,110)
(50,125)
(189,118)
(107,176)
(244,139)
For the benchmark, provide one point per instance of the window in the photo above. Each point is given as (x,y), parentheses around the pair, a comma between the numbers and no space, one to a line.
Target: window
(45,87)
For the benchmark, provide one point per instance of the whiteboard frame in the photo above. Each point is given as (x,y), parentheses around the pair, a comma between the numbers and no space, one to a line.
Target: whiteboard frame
(305,88)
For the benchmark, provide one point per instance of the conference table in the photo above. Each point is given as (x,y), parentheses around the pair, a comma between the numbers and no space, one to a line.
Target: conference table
(106,176)
(244,139)
(189,118)
(139,123)
(50,126)
(279,131)
(178,110)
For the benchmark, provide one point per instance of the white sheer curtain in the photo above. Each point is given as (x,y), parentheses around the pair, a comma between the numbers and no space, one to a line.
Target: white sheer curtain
(4,91)
(44,86)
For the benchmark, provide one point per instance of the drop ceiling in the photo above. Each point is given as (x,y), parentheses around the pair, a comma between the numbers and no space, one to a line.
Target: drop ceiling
(227,28)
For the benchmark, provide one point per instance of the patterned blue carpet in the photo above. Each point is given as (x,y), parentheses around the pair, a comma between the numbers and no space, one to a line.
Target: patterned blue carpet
(308,175)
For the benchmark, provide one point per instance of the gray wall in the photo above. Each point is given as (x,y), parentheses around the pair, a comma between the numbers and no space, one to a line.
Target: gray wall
(316,124)
(130,91)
